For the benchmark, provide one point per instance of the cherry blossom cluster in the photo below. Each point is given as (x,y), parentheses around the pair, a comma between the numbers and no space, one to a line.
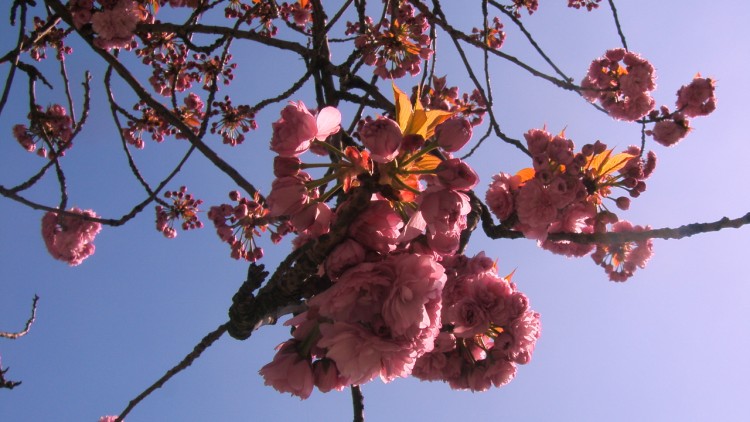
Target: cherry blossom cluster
(493,35)
(69,238)
(54,37)
(588,4)
(114,21)
(184,207)
(621,81)
(49,134)
(491,328)
(395,47)
(565,191)
(239,225)
(191,113)
(693,100)
(387,305)
(441,97)
(234,121)
(622,259)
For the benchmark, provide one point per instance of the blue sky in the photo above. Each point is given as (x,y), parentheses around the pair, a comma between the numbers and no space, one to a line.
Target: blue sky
(670,344)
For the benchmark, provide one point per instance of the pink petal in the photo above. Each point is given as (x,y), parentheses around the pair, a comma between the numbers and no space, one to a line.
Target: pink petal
(328,120)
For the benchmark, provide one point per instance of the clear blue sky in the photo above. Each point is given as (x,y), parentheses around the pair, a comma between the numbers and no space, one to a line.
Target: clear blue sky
(670,344)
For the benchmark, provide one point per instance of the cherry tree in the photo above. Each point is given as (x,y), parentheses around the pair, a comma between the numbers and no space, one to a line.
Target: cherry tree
(359,161)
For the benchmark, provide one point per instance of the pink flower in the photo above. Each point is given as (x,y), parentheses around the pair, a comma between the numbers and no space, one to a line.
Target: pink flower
(108,418)
(538,141)
(412,308)
(327,376)
(115,27)
(69,238)
(697,98)
(378,227)
(490,372)
(500,195)
(314,219)
(383,138)
(289,372)
(288,195)
(346,255)
(358,295)
(361,355)
(286,166)
(442,209)
(535,208)
(456,174)
(293,132)
(453,134)
(669,132)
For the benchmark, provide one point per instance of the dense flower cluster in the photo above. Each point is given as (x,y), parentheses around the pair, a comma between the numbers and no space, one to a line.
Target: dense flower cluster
(693,100)
(621,81)
(565,190)
(388,305)
(238,225)
(114,21)
(69,238)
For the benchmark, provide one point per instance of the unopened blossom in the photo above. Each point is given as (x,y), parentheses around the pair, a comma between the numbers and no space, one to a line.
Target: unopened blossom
(383,138)
(442,209)
(346,255)
(314,219)
(327,376)
(69,238)
(453,134)
(697,98)
(288,195)
(289,371)
(456,174)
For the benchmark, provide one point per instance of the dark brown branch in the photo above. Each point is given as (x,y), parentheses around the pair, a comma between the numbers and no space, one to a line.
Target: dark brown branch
(617,24)
(358,403)
(199,348)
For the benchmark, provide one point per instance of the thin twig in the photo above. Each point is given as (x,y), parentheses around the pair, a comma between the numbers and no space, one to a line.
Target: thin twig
(28,325)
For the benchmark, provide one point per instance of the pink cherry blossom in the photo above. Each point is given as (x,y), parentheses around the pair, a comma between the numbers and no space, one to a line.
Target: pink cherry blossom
(442,209)
(669,132)
(69,238)
(378,227)
(289,371)
(456,174)
(346,255)
(288,195)
(535,208)
(314,219)
(327,377)
(293,132)
(499,196)
(383,138)
(453,134)
(697,98)
(116,26)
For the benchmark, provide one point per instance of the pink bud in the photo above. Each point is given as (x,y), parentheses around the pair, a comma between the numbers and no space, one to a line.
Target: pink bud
(453,134)
(383,138)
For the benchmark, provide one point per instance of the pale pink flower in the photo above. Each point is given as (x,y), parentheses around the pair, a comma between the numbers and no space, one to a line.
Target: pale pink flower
(535,208)
(115,27)
(669,132)
(412,308)
(70,238)
(442,209)
(383,138)
(327,376)
(445,242)
(289,195)
(453,134)
(456,174)
(697,98)
(378,227)
(358,295)
(328,122)
(293,132)
(361,355)
(289,372)
(314,219)
(346,255)
(499,197)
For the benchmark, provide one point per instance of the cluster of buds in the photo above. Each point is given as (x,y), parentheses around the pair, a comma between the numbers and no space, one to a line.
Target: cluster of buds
(239,225)
(565,191)
(184,207)
(399,286)
(49,134)
(395,47)
(441,97)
